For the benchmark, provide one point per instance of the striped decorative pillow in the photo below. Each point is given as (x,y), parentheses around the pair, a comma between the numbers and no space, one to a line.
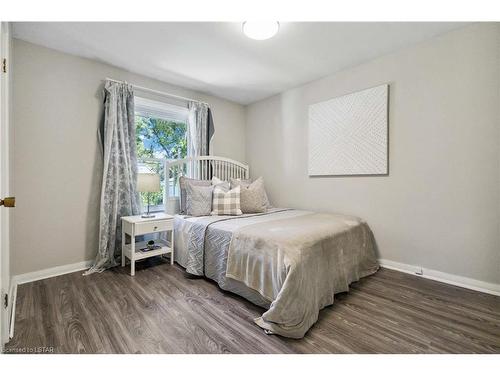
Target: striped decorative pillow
(226,202)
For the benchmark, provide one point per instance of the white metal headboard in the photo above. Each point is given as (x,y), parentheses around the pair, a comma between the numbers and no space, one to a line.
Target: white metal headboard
(202,168)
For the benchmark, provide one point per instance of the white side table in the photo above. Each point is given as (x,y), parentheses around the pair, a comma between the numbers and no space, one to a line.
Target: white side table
(136,226)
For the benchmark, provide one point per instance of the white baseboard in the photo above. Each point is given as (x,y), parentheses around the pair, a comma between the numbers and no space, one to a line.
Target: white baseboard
(447,278)
(12,310)
(51,272)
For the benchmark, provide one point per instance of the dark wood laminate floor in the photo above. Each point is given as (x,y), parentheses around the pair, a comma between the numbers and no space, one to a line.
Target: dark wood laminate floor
(161,310)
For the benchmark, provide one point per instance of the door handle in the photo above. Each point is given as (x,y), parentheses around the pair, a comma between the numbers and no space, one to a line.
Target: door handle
(8,202)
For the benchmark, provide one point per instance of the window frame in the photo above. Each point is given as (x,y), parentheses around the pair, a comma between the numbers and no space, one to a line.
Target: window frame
(150,108)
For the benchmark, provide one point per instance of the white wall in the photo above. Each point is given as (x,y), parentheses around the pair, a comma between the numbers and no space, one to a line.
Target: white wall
(439,207)
(56,162)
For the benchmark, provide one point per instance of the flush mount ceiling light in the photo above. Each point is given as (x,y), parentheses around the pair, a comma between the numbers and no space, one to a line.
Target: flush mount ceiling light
(260,30)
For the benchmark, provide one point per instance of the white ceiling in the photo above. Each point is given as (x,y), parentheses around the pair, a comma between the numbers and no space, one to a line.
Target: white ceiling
(216,58)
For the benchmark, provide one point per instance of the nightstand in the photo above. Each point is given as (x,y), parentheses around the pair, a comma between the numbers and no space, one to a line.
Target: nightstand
(137,226)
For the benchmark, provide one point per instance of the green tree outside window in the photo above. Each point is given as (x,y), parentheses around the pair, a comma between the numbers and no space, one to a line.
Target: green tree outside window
(160,139)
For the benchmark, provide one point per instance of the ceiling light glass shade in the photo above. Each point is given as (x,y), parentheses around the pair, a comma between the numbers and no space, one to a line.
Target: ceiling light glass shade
(260,30)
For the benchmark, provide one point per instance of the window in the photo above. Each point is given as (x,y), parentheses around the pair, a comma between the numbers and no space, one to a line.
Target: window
(161,133)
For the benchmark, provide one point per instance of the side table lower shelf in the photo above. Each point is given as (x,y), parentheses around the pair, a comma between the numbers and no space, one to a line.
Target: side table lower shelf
(127,249)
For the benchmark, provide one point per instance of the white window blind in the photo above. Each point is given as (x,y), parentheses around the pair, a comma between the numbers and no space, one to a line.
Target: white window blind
(165,111)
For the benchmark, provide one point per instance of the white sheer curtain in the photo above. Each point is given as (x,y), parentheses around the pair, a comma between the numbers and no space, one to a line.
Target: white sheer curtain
(199,131)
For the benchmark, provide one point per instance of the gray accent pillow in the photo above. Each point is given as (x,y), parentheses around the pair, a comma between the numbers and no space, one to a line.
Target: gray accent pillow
(183,181)
(253,197)
(245,183)
(198,200)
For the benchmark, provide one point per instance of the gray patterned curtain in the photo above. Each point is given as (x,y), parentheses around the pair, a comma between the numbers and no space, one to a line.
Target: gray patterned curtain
(119,196)
(201,129)
(210,129)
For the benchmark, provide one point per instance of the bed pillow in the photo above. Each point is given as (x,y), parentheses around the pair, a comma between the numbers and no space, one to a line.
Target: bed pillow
(220,183)
(238,181)
(226,202)
(183,181)
(198,200)
(245,183)
(253,197)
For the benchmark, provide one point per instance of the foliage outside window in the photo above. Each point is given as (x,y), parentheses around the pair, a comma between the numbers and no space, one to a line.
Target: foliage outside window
(158,138)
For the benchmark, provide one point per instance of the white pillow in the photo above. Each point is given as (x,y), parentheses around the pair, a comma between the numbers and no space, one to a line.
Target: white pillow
(220,183)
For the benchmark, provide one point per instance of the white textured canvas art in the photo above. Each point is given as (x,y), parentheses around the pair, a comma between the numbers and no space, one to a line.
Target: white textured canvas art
(348,135)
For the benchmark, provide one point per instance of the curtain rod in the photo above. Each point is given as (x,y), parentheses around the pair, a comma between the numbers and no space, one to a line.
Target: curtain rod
(141,88)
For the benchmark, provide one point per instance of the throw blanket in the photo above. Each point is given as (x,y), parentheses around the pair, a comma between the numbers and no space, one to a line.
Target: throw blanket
(299,263)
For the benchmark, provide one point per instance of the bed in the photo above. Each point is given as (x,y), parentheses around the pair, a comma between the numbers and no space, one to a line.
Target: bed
(290,262)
